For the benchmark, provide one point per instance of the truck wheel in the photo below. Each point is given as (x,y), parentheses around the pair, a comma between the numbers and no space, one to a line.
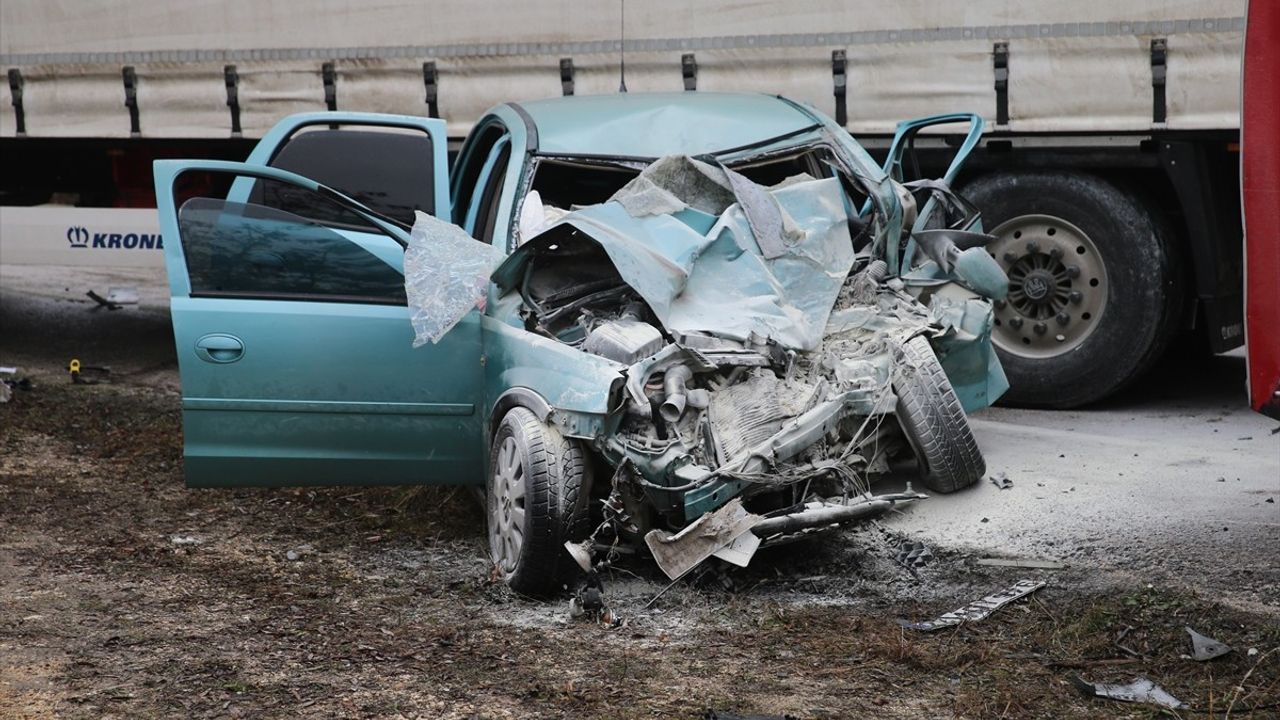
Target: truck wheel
(536,501)
(934,422)
(1094,289)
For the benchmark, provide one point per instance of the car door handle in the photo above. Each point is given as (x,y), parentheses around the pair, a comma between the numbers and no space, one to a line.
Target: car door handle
(219,348)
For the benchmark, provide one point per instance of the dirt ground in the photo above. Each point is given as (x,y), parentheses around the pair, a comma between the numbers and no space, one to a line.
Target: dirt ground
(125,595)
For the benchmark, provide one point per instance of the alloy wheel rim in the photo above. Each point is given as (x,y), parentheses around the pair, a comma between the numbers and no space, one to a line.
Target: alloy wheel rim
(507,506)
(1057,286)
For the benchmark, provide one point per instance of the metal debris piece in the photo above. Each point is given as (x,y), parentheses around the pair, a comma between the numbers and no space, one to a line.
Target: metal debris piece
(580,552)
(1141,690)
(979,609)
(740,551)
(914,555)
(678,554)
(102,302)
(827,513)
(1206,648)
(1001,481)
(713,715)
(122,295)
(1031,563)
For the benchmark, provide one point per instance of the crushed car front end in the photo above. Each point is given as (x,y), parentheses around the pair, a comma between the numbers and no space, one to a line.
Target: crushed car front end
(741,359)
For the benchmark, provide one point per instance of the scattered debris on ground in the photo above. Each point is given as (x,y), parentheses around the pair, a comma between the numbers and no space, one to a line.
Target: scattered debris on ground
(1206,648)
(979,609)
(1140,690)
(1028,563)
(392,608)
(1001,481)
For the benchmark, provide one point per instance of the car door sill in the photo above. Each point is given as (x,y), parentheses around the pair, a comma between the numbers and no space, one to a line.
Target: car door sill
(328,406)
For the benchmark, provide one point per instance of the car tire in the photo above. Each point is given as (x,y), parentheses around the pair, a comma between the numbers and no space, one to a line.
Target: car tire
(1095,284)
(934,421)
(536,501)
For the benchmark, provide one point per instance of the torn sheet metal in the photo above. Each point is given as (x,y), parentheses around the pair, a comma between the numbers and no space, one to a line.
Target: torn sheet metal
(1206,648)
(1141,690)
(678,554)
(446,274)
(706,273)
(1001,480)
(740,551)
(965,349)
(674,183)
(980,609)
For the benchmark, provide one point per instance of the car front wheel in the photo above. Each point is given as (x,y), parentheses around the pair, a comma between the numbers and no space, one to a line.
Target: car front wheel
(934,421)
(536,501)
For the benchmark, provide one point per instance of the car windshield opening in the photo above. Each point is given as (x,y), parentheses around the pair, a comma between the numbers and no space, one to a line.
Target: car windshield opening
(567,183)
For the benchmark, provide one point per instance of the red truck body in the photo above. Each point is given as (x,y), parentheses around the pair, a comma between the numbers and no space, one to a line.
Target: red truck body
(1260,194)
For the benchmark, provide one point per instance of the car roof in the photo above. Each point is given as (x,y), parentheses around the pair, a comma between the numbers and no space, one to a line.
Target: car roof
(651,125)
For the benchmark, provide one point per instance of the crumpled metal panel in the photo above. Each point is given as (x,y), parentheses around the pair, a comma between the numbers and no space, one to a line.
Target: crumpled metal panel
(568,379)
(720,282)
(966,352)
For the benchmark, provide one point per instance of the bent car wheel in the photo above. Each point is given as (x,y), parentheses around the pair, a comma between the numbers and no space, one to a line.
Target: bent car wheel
(536,501)
(934,422)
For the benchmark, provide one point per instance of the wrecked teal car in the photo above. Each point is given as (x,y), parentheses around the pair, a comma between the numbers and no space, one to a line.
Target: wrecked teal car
(692,324)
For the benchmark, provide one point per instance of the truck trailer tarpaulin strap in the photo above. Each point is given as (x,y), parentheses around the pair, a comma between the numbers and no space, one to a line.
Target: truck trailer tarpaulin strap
(1092,48)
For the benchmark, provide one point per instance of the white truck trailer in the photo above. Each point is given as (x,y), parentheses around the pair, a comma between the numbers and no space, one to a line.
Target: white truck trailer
(1108,170)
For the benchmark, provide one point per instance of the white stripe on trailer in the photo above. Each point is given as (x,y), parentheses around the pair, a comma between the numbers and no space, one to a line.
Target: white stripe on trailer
(89,237)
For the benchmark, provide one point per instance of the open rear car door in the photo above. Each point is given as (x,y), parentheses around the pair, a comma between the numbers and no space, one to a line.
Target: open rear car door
(293,335)
(1260,197)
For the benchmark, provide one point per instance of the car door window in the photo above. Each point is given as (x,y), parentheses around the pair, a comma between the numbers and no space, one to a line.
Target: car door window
(247,250)
(469,168)
(488,201)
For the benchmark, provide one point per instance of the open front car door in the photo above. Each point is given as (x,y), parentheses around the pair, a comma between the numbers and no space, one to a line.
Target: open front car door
(294,341)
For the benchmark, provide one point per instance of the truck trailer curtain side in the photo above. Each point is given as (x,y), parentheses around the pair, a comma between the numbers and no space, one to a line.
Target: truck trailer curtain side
(159,69)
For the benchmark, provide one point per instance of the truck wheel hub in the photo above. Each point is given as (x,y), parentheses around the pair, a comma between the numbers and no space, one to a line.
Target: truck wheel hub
(1057,286)
(1039,286)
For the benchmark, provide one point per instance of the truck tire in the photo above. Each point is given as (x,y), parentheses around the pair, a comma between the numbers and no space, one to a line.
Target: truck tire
(934,422)
(1094,284)
(537,500)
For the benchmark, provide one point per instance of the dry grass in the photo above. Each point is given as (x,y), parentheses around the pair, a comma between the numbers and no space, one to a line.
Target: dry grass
(391,612)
